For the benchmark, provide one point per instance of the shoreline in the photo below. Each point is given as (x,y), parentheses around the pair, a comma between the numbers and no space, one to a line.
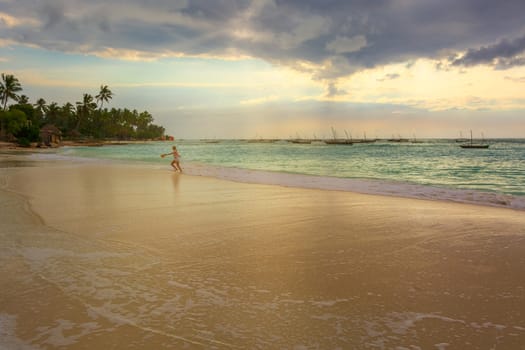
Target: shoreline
(68,143)
(111,255)
(376,187)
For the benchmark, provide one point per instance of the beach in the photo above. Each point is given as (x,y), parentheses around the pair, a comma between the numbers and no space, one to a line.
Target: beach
(123,256)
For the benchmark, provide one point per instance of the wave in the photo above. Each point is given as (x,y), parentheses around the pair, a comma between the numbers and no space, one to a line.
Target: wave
(363,186)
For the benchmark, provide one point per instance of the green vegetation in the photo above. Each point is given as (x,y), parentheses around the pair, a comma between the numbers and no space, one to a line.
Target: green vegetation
(83,120)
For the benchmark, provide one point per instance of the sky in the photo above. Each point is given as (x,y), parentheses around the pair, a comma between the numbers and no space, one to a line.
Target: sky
(280,68)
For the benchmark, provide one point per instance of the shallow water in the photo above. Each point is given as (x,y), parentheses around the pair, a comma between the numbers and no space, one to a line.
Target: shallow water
(433,164)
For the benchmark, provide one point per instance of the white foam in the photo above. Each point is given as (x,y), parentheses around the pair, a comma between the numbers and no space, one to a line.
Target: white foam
(66,157)
(364,186)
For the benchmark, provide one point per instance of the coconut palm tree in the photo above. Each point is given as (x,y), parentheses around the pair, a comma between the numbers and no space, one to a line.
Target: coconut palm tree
(68,108)
(41,110)
(9,86)
(84,109)
(41,106)
(67,115)
(53,111)
(105,94)
(23,100)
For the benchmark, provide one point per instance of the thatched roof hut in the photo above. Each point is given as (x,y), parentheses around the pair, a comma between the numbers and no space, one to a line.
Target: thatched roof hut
(50,135)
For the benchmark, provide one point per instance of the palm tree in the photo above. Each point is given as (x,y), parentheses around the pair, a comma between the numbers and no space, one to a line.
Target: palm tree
(41,110)
(84,109)
(105,94)
(41,106)
(68,108)
(53,111)
(23,100)
(67,112)
(9,86)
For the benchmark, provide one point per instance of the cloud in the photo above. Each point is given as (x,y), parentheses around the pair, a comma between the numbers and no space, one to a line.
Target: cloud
(516,79)
(333,90)
(390,76)
(327,39)
(4,42)
(7,20)
(346,45)
(504,54)
(261,100)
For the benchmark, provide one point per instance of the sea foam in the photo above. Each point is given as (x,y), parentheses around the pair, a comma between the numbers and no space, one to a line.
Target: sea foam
(364,186)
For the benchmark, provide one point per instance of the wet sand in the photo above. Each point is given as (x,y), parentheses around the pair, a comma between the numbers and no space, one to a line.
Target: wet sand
(126,257)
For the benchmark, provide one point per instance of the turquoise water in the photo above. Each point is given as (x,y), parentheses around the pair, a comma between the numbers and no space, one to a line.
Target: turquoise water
(441,163)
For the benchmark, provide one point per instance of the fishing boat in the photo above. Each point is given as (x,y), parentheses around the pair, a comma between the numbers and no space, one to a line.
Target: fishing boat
(316,141)
(414,140)
(471,144)
(461,138)
(364,139)
(336,141)
(397,139)
(300,140)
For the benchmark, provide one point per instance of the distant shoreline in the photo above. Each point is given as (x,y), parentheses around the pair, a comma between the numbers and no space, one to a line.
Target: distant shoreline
(97,143)
(86,143)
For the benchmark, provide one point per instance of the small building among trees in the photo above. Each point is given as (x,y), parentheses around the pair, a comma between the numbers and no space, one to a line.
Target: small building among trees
(50,135)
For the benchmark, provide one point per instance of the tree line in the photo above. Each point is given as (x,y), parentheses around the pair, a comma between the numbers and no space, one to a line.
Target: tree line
(21,121)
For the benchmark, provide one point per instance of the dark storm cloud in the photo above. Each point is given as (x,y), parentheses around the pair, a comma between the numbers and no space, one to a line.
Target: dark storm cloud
(503,54)
(52,14)
(216,11)
(327,38)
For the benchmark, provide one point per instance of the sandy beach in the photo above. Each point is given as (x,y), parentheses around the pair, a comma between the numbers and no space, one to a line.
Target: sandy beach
(130,257)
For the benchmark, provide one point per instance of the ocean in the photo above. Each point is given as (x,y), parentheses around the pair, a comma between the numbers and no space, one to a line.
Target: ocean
(434,169)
